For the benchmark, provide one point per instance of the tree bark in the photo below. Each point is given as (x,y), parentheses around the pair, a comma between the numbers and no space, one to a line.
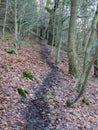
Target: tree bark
(51,21)
(59,39)
(89,58)
(16,42)
(4,25)
(96,60)
(72,55)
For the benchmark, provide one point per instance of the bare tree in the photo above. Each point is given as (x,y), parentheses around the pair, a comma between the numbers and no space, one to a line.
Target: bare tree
(72,55)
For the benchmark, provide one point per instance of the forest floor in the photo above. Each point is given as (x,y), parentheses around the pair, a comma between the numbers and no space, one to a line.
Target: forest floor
(44,108)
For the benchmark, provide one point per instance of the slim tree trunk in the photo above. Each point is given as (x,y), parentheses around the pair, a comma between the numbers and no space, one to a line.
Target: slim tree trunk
(72,55)
(53,39)
(16,27)
(96,60)
(5,17)
(51,21)
(60,28)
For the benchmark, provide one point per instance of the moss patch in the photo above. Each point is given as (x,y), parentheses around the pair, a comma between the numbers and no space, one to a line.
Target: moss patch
(27,75)
(9,50)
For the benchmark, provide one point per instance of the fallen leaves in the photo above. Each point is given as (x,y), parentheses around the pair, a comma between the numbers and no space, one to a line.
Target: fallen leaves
(50,89)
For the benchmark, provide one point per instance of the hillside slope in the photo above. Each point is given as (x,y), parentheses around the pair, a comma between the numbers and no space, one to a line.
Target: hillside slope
(44,108)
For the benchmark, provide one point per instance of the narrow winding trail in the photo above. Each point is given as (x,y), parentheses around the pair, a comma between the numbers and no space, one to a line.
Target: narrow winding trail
(38,113)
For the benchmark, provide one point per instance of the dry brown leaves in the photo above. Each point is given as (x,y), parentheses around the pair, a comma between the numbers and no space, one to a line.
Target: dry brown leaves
(78,117)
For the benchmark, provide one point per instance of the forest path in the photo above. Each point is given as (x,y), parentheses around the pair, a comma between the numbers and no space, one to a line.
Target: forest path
(40,106)
(44,108)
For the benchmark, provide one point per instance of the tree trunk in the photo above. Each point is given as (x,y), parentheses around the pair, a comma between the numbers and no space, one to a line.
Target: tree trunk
(4,25)
(96,67)
(90,56)
(51,21)
(72,56)
(16,42)
(96,60)
(50,29)
(60,28)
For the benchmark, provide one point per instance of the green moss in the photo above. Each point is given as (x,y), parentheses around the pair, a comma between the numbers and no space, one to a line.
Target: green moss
(69,103)
(6,64)
(27,75)
(84,100)
(49,93)
(22,92)
(9,50)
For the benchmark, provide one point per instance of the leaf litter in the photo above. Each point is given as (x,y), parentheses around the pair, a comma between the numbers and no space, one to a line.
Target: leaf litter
(44,107)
